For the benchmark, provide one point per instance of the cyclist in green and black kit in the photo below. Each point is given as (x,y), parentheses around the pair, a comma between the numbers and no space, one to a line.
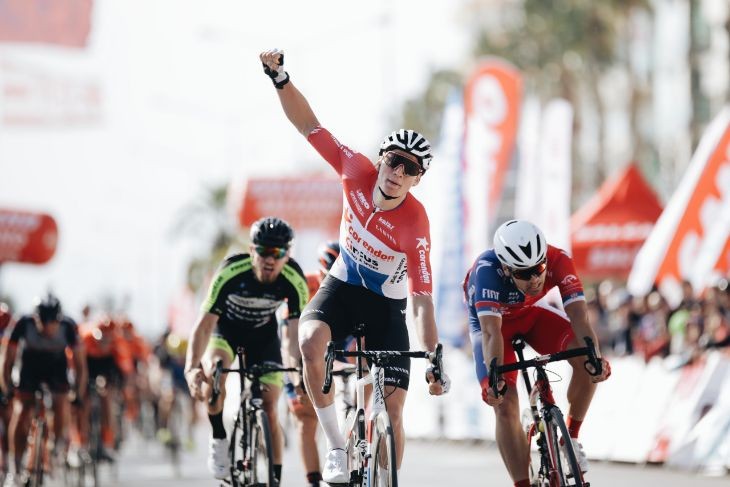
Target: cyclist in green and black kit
(240,310)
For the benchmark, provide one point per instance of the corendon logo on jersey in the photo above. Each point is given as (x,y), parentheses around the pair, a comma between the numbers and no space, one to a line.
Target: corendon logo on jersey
(370,253)
(422,246)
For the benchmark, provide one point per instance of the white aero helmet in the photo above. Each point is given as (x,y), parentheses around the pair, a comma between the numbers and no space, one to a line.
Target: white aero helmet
(411,142)
(519,244)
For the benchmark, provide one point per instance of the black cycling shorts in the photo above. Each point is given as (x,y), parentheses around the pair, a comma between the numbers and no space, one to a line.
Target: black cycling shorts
(342,306)
(38,367)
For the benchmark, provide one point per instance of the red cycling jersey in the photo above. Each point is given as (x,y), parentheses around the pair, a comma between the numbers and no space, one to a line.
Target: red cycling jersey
(379,249)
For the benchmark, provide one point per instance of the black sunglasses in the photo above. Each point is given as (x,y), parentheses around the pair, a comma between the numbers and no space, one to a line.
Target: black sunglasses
(410,168)
(275,252)
(526,274)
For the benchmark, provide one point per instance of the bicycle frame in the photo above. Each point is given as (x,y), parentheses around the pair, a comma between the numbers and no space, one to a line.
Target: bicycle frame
(361,430)
(250,404)
(545,413)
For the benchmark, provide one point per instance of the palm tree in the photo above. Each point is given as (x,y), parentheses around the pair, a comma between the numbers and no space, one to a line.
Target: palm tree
(207,217)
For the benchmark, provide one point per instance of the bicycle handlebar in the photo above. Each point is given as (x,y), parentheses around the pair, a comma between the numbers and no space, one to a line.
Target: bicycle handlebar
(379,358)
(253,372)
(496,371)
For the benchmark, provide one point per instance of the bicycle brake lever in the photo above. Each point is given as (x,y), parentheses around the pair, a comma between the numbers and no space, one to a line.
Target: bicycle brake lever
(593,360)
(215,393)
(437,363)
(494,379)
(329,359)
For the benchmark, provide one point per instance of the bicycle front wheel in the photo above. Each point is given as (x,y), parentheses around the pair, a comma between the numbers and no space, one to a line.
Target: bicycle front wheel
(261,453)
(385,472)
(564,471)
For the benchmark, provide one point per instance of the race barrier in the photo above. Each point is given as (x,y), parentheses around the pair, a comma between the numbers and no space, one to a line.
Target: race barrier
(658,412)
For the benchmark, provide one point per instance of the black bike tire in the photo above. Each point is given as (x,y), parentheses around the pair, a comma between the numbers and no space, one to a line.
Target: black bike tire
(36,476)
(233,448)
(384,438)
(558,423)
(261,436)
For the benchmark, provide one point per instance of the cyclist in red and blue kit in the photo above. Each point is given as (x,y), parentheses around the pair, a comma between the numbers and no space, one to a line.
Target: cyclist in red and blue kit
(384,259)
(502,290)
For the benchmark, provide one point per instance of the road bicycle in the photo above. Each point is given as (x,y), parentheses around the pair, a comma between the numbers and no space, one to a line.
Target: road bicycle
(250,449)
(557,464)
(38,438)
(370,445)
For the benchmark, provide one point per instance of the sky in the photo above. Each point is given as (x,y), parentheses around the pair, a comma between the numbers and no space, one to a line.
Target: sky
(184,104)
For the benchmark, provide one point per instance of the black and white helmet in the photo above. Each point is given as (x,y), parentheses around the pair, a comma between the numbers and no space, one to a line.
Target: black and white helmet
(519,244)
(411,142)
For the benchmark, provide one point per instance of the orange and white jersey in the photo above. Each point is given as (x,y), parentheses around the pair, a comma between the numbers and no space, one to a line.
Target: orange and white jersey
(387,252)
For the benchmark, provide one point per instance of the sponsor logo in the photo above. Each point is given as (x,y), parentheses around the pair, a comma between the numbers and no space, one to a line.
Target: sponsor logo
(384,233)
(400,272)
(422,243)
(385,222)
(348,215)
(357,206)
(362,199)
(490,294)
(423,267)
(569,280)
(470,294)
(377,253)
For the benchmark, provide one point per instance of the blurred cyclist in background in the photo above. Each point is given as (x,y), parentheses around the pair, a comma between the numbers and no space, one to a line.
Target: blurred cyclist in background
(45,334)
(6,403)
(299,403)
(502,289)
(110,363)
(170,352)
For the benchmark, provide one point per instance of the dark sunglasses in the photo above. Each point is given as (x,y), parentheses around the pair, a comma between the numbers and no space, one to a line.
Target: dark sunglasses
(275,252)
(410,168)
(526,274)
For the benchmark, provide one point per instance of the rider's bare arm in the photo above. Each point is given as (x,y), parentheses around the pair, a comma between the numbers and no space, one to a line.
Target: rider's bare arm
(577,312)
(80,369)
(424,318)
(295,106)
(198,341)
(492,343)
(9,350)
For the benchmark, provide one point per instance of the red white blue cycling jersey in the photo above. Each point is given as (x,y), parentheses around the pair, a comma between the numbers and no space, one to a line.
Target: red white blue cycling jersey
(489,292)
(388,252)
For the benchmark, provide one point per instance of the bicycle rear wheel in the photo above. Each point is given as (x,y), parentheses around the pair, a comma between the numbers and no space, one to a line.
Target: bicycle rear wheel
(385,473)
(262,471)
(565,471)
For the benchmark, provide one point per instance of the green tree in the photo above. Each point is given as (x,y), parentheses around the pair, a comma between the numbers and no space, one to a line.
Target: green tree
(207,216)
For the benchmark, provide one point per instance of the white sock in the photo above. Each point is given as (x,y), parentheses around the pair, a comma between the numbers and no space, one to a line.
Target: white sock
(328,421)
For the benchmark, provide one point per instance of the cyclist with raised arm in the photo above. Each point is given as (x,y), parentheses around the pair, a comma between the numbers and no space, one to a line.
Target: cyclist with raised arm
(384,259)
(240,310)
(299,404)
(45,334)
(502,290)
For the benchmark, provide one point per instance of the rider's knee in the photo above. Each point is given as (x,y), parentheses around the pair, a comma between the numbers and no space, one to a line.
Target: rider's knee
(312,347)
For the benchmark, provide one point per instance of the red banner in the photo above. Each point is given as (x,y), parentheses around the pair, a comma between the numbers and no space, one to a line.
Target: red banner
(492,99)
(64,22)
(691,240)
(305,203)
(27,237)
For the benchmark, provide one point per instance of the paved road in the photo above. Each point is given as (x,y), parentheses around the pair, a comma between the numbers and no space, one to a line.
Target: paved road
(425,464)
